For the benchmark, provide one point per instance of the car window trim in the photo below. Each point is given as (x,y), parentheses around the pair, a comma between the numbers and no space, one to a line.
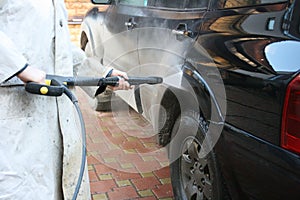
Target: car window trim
(164,13)
(256,5)
(166,8)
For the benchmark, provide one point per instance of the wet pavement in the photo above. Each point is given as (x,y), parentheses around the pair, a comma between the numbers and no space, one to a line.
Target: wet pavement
(124,161)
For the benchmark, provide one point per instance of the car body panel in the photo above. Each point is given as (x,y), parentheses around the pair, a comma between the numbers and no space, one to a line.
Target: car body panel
(252,85)
(254,163)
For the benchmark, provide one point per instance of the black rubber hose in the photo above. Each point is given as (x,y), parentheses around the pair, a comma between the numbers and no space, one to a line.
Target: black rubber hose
(74,100)
(83,154)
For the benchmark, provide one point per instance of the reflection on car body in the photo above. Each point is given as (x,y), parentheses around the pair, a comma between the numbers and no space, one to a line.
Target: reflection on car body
(230,113)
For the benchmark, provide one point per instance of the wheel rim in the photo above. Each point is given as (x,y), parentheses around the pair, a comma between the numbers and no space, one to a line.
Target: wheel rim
(195,174)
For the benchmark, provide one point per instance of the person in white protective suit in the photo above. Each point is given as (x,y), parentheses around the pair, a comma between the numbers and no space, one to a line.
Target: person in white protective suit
(40,141)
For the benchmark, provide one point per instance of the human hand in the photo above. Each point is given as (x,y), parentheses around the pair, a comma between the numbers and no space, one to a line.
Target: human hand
(123,84)
(31,74)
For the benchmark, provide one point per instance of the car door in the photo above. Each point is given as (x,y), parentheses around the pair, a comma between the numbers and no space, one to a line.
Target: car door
(166,30)
(120,42)
(239,33)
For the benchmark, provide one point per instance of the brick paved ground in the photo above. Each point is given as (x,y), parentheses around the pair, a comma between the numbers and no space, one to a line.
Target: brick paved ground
(124,161)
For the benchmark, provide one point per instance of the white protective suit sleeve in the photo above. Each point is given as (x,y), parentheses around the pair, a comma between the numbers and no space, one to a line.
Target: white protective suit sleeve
(11,60)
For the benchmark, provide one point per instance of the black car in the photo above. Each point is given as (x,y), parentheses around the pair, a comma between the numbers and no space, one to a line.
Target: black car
(229,108)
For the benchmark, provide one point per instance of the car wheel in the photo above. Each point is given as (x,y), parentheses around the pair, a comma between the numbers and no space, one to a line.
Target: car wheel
(193,176)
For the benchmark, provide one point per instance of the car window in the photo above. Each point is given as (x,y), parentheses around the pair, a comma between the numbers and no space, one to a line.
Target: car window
(133,2)
(174,4)
(243,3)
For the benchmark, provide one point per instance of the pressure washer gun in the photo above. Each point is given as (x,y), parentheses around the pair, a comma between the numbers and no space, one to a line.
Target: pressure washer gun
(55,85)
(58,85)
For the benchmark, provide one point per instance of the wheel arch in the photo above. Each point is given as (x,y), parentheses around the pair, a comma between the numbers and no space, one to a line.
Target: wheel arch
(91,29)
(207,105)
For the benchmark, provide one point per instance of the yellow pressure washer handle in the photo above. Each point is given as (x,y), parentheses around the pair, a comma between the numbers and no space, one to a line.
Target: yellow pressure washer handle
(44,89)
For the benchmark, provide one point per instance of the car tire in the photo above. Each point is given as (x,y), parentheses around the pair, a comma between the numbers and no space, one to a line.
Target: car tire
(193,177)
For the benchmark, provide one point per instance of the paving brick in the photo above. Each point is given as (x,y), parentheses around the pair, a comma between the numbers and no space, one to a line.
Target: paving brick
(93,176)
(100,147)
(150,145)
(99,197)
(163,173)
(148,174)
(127,165)
(148,158)
(116,140)
(146,193)
(147,166)
(103,169)
(146,183)
(90,167)
(113,165)
(130,157)
(92,160)
(113,147)
(163,191)
(162,156)
(109,160)
(102,186)
(147,198)
(105,177)
(123,193)
(164,164)
(165,181)
(130,151)
(120,175)
(123,183)
(118,154)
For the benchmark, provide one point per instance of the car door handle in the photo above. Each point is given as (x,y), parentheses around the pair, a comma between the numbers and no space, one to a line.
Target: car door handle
(131,24)
(182,30)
